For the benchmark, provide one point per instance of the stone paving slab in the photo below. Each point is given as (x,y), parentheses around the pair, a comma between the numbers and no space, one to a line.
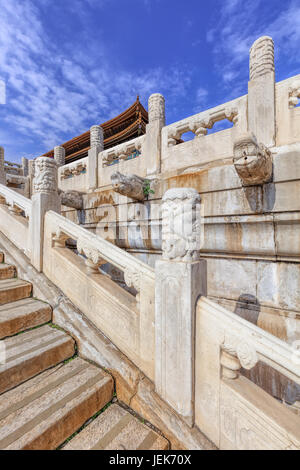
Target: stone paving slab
(12,290)
(31,353)
(23,315)
(43,412)
(117,429)
(7,271)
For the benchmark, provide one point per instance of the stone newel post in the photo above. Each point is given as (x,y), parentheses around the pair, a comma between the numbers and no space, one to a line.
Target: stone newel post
(25,166)
(2,171)
(60,155)
(152,145)
(45,198)
(97,145)
(180,280)
(261,91)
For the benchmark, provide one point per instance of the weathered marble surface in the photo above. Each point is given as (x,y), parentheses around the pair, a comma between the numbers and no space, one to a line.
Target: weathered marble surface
(233,412)
(132,387)
(252,161)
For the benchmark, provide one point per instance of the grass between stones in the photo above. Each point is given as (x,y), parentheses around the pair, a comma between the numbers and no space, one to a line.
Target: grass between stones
(85,425)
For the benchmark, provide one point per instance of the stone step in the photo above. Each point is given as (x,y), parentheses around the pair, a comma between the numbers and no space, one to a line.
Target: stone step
(1,257)
(23,315)
(43,412)
(7,271)
(29,354)
(12,290)
(117,429)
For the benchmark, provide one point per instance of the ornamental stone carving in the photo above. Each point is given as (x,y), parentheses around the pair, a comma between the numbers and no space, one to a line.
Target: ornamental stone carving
(59,155)
(59,239)
(72,199)
(129,185)
(294,94)
(247,355)
(45,175)
(237,353)
(2,171)
(252,161)
(261,57)
(93,255)
(78,169)
(181,225)
(156,108)
(97,137)
(133,279)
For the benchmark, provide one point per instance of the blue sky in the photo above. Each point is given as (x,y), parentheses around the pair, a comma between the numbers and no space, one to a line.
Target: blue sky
(69,64)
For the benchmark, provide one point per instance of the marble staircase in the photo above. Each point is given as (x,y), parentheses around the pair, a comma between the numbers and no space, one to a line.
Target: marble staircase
(49,397)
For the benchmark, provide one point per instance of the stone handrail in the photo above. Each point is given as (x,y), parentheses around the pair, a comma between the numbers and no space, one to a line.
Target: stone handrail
(125,316)
(122,151)
(200,123)
(91,243)
(231,410)
(11,164)
(252,344)
(14,199)
(15,227)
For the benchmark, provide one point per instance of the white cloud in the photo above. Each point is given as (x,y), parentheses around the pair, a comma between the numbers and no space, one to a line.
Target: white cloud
(51,96)
(201,99)
(241,24)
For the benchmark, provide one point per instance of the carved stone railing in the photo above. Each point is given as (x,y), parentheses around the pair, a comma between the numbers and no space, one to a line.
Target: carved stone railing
(288,111)
(231,410)
(99,251)
(15,218)
(200,123)
(123,151)
(73,169)
(126,317)
(15,201)
(13,168)
(74,176)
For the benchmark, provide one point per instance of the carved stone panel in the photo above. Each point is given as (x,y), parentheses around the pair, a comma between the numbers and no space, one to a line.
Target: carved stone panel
(181,225)
(246,426)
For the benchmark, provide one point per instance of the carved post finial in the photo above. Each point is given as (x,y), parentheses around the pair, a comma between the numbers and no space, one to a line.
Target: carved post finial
(2,171)
(97,137)
(60,155)
(97,145)
(45,175)
(181,225)
(156,107)
(261,91)
(261,57)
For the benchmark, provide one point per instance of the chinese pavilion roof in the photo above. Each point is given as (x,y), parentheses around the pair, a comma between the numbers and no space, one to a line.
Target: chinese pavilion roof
(128,125)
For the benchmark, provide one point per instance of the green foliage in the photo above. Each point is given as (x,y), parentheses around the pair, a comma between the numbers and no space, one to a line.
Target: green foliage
(147,188)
